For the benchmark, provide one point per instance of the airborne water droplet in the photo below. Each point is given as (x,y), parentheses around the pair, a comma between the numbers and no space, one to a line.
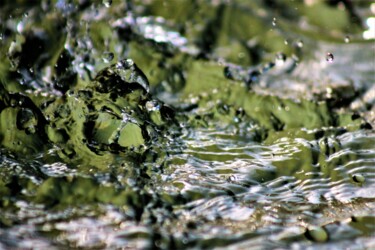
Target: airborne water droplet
(274,21)
(129,62)
(358,178)
(228,72)
(300,44)
(20,27)
(280,58)
(152,106)
(317,234)
(329,57)
(107,3)
(108,57)
(253,77)
(267,67)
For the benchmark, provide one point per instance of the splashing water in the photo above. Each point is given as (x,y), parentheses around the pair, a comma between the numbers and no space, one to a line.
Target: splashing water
(180,125)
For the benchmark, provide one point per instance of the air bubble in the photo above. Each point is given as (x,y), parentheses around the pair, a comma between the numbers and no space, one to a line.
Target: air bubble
(107,3)
(108,57)
(329,57)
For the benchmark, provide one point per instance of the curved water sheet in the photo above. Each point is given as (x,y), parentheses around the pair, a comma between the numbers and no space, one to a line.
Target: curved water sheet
(187,124)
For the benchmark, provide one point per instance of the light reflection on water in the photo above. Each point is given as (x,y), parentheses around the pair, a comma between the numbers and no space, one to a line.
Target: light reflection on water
(220,185)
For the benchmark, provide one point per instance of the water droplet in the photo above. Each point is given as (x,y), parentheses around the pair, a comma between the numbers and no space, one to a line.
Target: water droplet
(280,58)
(223,109)
(108,57)
(253,77)
(300,44)
(26,121)
(317,234)
(129,62)
(358,178)
(240,112)
(329,57)
(267,67)
(20,27)
(107,3)
(228,73)
(13,103)
(370,32)
(274,20)
(347,39)
(152,106)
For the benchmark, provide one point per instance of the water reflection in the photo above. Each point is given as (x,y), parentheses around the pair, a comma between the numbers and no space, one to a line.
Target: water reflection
(275,146)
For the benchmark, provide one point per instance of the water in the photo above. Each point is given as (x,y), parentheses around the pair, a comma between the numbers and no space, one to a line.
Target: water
(108,57)
(107,3)
(329,57)
(178,126)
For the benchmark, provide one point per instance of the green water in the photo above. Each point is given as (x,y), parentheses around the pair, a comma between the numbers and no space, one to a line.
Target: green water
(187,124)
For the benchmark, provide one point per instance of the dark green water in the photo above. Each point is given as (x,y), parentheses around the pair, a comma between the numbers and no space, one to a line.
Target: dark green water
(187,124)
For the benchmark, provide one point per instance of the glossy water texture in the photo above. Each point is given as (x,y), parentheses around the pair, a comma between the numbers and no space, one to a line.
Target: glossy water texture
(187,124)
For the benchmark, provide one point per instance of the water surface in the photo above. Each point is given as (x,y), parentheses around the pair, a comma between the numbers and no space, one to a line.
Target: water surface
(187,125)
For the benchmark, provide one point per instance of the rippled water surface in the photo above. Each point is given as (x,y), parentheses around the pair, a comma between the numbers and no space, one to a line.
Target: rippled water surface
(187,124)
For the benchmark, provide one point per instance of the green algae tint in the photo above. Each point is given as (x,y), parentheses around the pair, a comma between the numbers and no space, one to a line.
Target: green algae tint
(187,125)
